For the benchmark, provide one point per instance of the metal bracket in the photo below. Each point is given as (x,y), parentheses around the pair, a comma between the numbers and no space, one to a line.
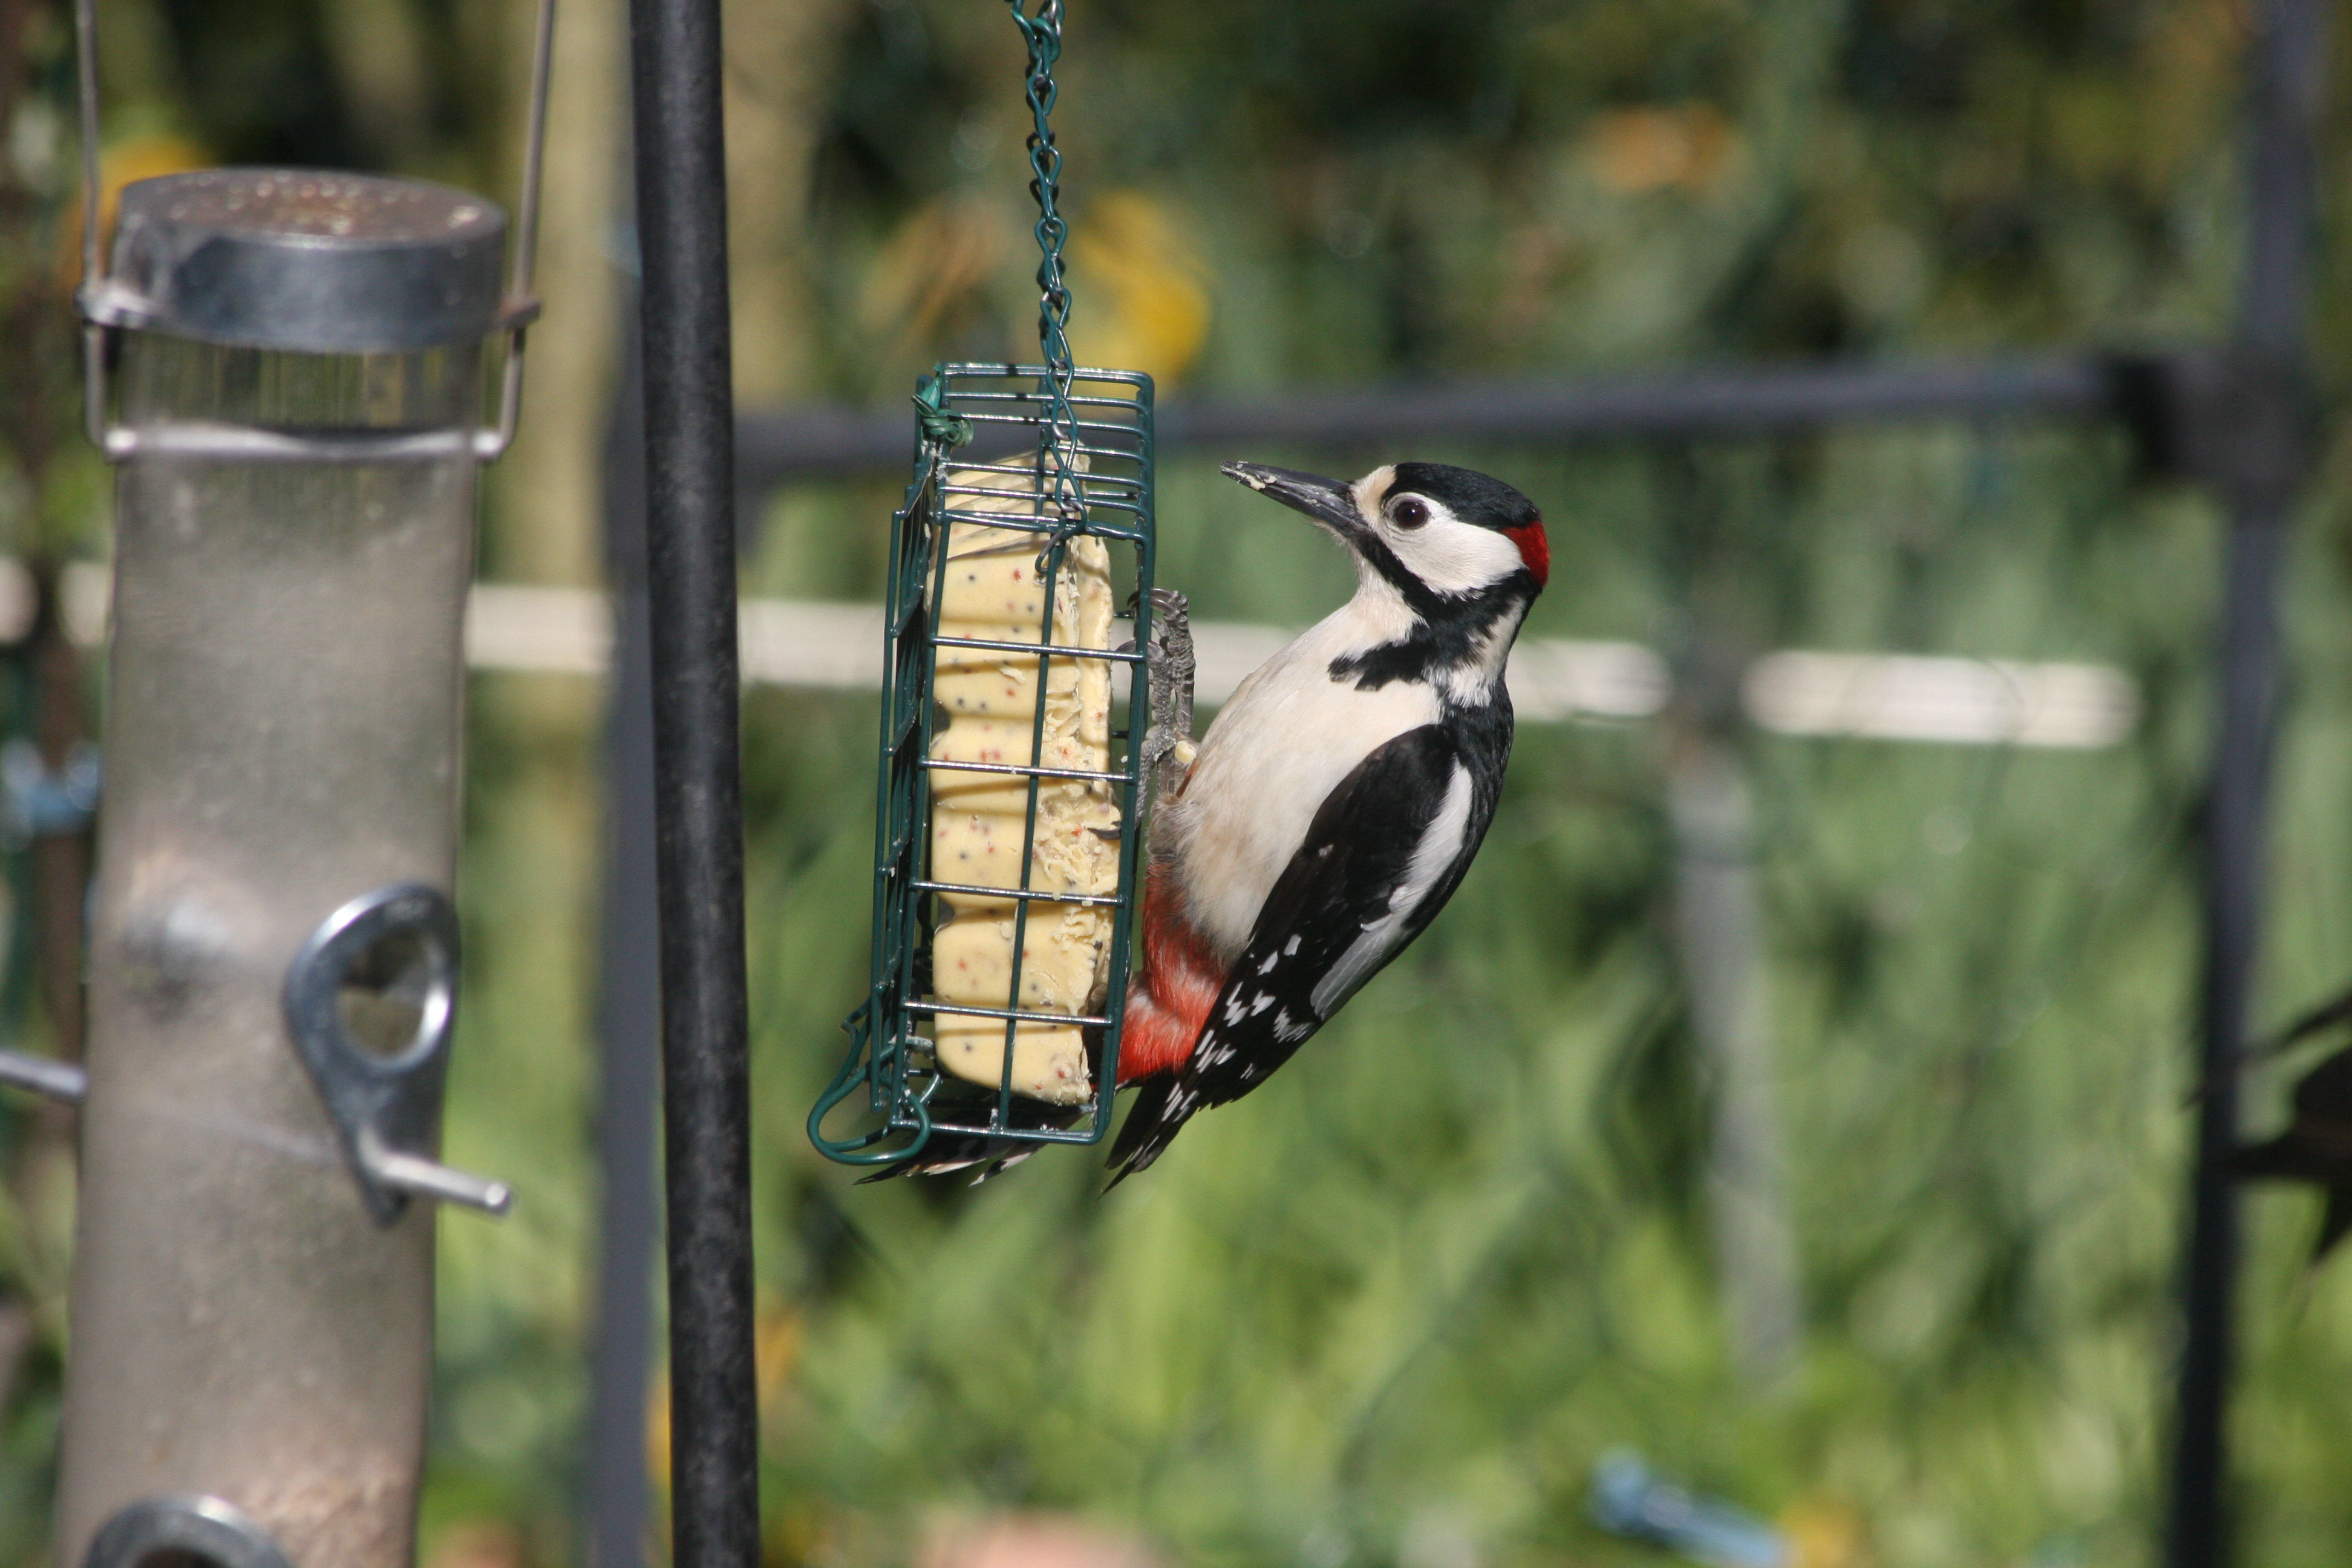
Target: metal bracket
(167,1530)
(102,301)
(371,1000)
(65,1081)
(2243,422)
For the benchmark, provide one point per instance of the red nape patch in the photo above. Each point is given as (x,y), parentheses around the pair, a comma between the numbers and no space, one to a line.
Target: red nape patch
(1534,549)
(1172,991)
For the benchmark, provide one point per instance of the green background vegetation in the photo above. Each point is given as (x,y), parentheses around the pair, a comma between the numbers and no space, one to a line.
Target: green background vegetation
(1390,1310)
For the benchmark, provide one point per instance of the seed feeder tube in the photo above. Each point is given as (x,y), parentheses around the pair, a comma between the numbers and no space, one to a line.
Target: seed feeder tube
(1008,826)
(286,367)
(273,961)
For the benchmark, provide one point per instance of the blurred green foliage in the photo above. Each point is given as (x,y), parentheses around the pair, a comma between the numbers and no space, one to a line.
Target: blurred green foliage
(1390,1310)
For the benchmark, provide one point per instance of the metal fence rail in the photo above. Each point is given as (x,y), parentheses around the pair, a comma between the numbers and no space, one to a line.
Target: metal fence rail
(775,446)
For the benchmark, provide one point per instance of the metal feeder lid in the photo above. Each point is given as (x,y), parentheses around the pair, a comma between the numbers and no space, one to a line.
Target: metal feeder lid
(305,260)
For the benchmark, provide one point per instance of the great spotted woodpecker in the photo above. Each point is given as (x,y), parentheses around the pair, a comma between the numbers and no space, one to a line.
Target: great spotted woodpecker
(1334,804)
(1338,798)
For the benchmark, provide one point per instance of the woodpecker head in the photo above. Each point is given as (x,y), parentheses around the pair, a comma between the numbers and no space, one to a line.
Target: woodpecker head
(1443,538)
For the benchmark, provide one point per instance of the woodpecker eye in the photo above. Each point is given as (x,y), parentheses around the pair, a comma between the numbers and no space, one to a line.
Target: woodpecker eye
(1409,513)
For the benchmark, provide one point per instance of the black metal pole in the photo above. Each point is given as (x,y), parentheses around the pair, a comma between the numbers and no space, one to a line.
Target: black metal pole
(681,208)
(2258,458)
(628,1013)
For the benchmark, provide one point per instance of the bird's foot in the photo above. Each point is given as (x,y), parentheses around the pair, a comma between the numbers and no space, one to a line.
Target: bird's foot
(1169,666)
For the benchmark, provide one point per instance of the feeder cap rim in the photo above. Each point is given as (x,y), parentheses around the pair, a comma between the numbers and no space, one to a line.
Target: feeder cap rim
(306,260)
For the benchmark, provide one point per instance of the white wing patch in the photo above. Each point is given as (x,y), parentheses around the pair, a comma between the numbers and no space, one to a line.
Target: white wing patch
(1441,842)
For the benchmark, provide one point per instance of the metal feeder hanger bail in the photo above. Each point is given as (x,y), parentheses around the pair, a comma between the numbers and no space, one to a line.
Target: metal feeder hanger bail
(377,299)
(1035,1059)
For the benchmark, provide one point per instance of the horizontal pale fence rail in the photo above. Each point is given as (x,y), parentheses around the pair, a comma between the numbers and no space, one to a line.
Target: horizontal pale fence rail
(838,646)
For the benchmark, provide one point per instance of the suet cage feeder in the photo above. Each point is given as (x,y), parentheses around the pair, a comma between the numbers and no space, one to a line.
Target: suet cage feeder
(1008,500)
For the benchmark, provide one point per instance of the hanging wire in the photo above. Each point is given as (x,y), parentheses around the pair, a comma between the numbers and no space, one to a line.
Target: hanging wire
(1057,441)
(943,430)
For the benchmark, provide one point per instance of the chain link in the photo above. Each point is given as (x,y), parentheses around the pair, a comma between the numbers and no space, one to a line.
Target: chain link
(1057,440)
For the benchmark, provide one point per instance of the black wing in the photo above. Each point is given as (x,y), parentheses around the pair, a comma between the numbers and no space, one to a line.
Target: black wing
(1385,851)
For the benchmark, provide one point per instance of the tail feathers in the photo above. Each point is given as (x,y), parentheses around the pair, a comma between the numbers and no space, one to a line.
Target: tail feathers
(945,1153)
(957,1153)
(1152,1122)
(1159,1113)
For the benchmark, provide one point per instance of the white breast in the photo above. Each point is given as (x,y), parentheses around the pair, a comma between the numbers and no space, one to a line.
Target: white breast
(1274,753)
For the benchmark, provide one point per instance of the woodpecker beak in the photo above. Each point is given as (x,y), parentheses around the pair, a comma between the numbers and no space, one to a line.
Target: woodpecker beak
(1327,501)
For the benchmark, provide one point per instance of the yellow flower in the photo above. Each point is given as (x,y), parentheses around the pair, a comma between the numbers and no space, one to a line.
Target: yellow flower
(1141,288)
(138,158)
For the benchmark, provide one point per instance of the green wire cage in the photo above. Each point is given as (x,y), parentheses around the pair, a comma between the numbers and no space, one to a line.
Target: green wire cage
(1053,497)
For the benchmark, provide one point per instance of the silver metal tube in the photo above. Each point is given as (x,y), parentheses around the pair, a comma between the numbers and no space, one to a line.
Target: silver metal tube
(282,736)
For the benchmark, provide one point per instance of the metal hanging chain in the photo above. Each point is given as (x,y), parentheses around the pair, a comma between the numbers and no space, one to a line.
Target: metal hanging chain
(1057,443)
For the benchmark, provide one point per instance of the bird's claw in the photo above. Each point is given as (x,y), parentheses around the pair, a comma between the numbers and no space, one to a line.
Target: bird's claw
(1169,666)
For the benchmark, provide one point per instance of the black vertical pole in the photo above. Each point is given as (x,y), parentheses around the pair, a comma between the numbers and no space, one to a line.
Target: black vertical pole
(628,1013)
(681,183)
(2258,458)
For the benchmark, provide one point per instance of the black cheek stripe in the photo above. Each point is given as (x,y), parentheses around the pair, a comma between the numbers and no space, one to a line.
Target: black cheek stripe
(1443,639)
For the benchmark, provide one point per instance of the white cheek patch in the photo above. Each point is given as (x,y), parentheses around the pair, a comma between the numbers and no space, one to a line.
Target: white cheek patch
(1454,557)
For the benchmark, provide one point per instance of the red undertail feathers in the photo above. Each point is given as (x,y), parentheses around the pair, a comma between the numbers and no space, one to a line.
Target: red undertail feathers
(1173,992)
